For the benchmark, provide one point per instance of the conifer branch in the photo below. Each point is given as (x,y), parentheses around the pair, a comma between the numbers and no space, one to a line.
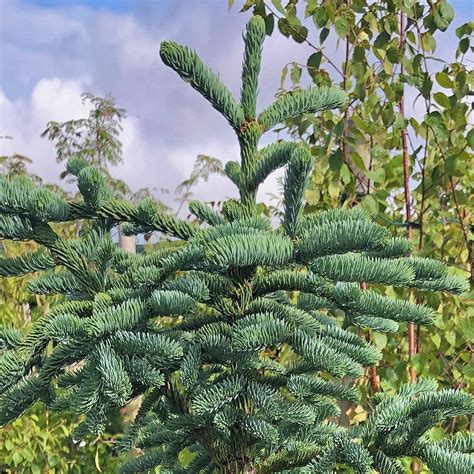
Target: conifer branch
(29,263)
(191,69)
(307,101)
(253,38)
(296,180)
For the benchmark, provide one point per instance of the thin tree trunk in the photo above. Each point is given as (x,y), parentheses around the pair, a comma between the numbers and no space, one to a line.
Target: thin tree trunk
(406,183)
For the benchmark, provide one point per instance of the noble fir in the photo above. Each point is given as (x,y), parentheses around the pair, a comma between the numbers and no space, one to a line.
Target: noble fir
(236,336)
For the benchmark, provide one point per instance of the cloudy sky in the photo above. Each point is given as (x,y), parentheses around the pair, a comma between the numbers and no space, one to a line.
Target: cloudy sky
(53,50)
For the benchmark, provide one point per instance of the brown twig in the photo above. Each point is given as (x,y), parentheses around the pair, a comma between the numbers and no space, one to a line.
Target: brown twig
(406,183)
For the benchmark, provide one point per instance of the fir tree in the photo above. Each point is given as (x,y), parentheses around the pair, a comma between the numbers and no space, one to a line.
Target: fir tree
(233,336)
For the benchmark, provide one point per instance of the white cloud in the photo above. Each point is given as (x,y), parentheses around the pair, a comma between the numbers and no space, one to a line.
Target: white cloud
(51,55)
(24,120)
(57,99)
(131,46)
(72,50)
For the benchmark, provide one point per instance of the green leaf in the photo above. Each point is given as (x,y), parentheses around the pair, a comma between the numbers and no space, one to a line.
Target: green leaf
(359,54)
(323,35)
(436,339)
(269,24)
(443,16)
(463,45)
(284,74)
(358,161)
(277,4)
(17,458)
(463,30)
(411,37)
(295,74)
(334,187)
(442,99)
(377,175)
(370,204)
(467,329)
(314,61)
(427,42)
(320,17)
(447,11)
(345,174)
(284,28)
(451,338)
(299,33)
(426,86)
(470,138)
(469,371)
(380,340)
(339,129)
(382,40)
(450,166)
(341,27)
(439,322)
(392,54)
(247,5)
(336,160)
(443,80)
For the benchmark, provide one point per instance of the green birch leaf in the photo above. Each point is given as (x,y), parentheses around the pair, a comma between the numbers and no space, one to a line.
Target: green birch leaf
(295,74)
(358,161)
(377,175)
(443,15)
(341,27)
(380,340)
(323,35)
(299,33)
(314,60)
(467,329)
(436,339)
(284,28)
(320,17)
(269,24)
(427,42)
(345,174)
(336,160)
(277,4)
(442,99)
(382,40)
(393,55)
(463,45)
(284,74)
(470,139)
(370,204)
(463,30)
(443,80)
(247,5)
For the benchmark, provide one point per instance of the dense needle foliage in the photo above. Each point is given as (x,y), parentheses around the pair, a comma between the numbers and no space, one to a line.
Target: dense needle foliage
(233,335)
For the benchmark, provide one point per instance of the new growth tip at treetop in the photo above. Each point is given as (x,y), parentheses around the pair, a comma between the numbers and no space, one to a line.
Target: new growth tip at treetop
(238,335)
